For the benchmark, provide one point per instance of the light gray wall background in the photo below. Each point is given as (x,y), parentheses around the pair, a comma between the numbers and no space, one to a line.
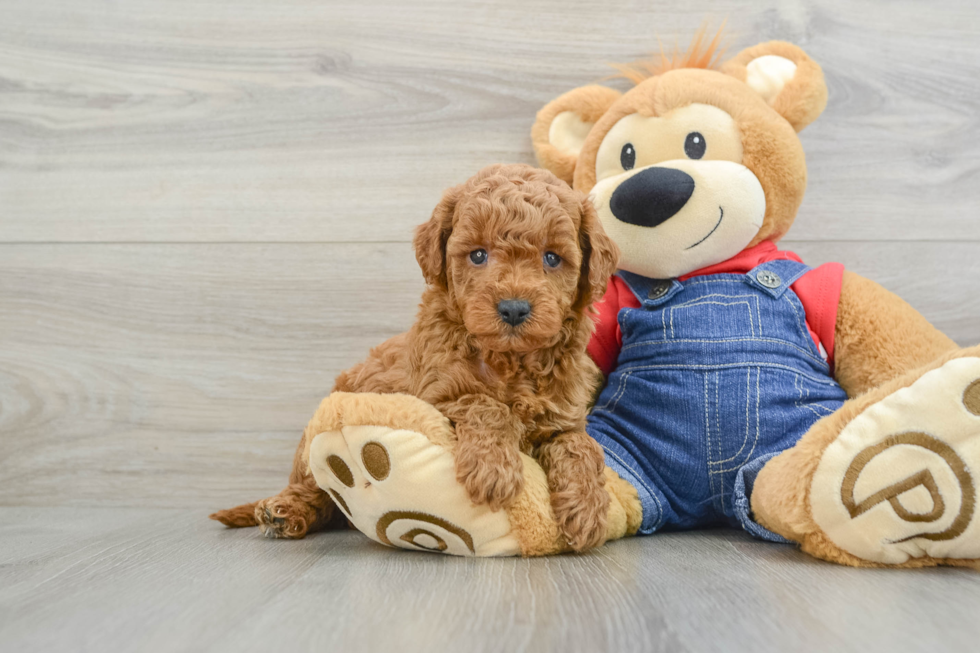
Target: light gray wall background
(206,208)
(206,211)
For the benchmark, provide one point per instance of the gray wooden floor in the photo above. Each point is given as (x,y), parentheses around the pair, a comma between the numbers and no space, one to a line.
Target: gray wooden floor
(130,579)
(205,214)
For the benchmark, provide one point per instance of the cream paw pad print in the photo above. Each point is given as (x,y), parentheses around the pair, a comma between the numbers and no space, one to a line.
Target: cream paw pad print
(901,479)
(397,485)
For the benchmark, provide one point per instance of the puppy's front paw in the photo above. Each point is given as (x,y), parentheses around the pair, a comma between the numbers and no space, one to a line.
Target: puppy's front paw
(491,475)
(580,509)
(575,465)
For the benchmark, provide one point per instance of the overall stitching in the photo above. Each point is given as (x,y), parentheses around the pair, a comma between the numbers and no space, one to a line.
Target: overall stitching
(819,361)
(758,429)
(611,404)
(797,307)
(804,393)
(747,300)
(711,412)
(720,366)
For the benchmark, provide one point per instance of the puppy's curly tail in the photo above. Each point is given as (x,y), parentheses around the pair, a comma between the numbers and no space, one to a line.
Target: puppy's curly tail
(238,517)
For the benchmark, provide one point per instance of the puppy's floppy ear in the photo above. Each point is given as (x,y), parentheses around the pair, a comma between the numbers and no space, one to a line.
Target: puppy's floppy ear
(431,237)
(563,124)
(790,81)
(600,257)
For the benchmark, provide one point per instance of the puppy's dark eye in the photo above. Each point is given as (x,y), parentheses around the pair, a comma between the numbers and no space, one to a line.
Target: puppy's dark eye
(552,260)
(694,145)
(627,157)
(478,256)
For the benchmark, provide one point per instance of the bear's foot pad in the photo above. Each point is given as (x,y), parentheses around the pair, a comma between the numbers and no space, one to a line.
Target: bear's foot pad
(399,488)
(901,479)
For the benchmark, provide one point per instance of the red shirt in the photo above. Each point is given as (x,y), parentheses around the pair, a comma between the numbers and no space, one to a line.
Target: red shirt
(818,290)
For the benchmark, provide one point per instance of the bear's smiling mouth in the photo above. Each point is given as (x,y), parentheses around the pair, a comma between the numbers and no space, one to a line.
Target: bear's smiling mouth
(713,229)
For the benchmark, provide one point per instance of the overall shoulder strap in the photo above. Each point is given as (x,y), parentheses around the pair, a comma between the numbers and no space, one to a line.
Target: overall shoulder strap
(650,292)
(775,277)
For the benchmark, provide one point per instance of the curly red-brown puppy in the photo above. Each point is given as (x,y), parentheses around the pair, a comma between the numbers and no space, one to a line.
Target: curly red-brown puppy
(513,259)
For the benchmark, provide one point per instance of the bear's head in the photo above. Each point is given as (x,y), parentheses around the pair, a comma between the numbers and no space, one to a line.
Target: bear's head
(693,164)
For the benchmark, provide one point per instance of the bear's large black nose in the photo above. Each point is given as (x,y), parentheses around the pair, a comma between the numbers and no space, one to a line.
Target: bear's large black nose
(651,196)
(514,311)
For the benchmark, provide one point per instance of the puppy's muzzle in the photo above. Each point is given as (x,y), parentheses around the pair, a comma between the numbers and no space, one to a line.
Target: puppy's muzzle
(514,311)
(651,196)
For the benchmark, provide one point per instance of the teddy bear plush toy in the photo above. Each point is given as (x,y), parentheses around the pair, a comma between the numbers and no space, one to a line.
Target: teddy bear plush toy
(743,387)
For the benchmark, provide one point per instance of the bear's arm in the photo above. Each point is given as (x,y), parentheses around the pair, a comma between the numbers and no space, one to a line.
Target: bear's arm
(879,336)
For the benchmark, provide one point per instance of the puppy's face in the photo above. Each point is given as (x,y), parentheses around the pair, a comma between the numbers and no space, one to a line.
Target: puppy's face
(518,253)
(513,270)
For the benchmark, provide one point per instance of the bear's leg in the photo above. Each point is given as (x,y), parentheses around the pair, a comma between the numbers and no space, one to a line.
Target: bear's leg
(891,478)
(387,461)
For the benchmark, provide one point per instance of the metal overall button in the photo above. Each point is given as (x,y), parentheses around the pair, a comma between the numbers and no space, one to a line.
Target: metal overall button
(659,289)
(768,279)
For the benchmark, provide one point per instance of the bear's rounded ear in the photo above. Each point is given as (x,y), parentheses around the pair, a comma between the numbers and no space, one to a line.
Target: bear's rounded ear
(790,81)
(563,124)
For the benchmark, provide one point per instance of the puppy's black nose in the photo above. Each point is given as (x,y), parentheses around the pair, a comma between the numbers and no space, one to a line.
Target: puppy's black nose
(514,311)
(651,196)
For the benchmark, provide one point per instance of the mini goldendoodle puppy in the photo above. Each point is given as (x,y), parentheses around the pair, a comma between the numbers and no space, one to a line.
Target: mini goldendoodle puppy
(513,259)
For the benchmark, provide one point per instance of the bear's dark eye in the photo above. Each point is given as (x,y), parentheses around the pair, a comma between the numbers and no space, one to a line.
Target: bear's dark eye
(694,145)
(552,260)
(627,157)
(478,256)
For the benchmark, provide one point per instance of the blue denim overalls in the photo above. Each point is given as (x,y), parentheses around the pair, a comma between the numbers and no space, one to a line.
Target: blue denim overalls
(716,375)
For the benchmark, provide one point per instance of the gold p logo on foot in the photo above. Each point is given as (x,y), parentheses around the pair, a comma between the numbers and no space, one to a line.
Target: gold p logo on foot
(923,478)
